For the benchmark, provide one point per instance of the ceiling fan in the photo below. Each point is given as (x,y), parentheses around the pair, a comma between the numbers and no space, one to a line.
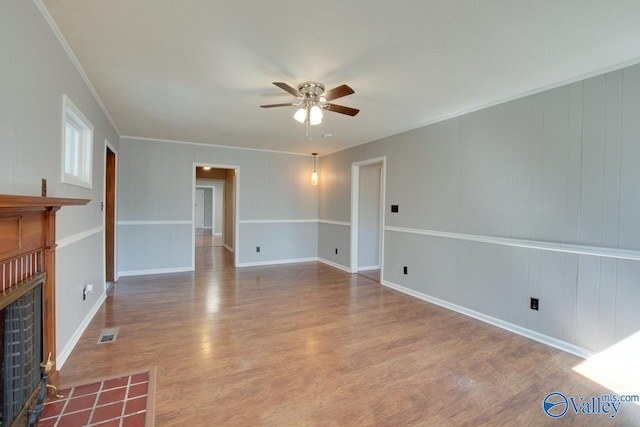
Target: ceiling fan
(312,100)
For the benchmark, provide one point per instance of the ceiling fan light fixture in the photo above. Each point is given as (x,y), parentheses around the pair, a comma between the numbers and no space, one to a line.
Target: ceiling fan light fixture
(301,115)
(315,115)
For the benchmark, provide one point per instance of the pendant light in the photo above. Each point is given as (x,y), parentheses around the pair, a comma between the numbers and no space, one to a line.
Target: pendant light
(314,174)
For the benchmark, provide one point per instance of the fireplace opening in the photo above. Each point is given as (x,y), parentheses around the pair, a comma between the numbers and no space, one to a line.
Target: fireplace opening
(21,350)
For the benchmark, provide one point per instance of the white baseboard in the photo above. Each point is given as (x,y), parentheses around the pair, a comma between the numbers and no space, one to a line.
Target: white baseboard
(64,354)
(229,248)
(536,336)
(154,271)
(217,234)
(276,262)
(335,265)
(369,267)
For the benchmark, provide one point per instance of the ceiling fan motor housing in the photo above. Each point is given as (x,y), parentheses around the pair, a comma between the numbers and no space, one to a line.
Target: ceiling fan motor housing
(311,90)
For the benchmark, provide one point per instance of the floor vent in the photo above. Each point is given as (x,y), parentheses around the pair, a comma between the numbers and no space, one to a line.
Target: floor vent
(108,335)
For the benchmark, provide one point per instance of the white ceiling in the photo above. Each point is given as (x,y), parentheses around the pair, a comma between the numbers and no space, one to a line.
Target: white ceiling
(197,70)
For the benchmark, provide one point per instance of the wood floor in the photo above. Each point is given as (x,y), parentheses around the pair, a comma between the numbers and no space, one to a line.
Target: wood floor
(205,237)
(308,344)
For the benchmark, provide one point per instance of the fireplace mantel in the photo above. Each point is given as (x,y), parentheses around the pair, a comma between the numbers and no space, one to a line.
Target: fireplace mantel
(27,247)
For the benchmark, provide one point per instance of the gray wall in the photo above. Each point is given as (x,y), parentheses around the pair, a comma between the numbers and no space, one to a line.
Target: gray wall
(208,209)
(488,198)
(369,217)
(35,73)
(155,209)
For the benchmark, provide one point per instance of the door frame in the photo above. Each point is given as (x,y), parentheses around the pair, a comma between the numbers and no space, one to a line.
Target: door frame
(116,275)
(355,207)
(236,219)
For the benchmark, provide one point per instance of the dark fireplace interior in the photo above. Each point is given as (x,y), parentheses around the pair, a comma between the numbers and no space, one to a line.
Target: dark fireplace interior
(21,353)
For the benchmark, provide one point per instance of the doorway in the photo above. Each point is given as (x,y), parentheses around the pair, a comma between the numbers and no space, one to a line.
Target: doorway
(215,193)
(209,213)
(367,217)
(109,208)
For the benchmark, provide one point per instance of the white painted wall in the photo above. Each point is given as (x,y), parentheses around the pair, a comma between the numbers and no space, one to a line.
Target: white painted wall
(35,73)
(551,169)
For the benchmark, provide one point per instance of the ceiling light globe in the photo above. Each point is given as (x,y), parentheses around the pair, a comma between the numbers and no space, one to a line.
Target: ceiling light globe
(315,115)
(300,115)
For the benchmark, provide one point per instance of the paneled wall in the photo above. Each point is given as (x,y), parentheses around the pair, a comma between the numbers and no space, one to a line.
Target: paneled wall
(537,197)
(275,203)
(35,73)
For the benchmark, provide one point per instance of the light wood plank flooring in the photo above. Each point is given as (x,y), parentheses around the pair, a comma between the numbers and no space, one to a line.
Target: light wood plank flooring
(308,344)
(205,237)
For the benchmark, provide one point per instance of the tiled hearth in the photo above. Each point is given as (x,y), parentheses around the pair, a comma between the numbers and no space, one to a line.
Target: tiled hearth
(115,402)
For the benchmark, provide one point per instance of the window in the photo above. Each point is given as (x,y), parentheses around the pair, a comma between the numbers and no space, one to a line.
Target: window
(77,145)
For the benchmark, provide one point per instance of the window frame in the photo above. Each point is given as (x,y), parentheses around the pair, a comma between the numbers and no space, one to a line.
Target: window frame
(83,157)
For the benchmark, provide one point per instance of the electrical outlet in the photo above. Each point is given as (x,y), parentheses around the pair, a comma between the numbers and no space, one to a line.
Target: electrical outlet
(534,304)
(394,208)
(336,251)
(405,270)
(88,289)
(257,248)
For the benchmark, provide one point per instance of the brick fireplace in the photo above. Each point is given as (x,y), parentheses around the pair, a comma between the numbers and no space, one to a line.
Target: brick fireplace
(27,300)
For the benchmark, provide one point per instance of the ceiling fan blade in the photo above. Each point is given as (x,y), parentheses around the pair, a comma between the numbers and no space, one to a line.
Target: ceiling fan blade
(287,88)
(337,92)
(341,109)
(288,104)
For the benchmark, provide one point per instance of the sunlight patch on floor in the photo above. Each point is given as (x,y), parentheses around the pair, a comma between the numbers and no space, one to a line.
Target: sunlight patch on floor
(617,368)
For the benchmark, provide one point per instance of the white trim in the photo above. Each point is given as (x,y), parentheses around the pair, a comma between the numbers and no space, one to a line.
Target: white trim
(530,244)
(69,240)
(227,247)
(203,144)
(335,265)
(155,271)
(160,222)
(217,234)
(74,60)
(355,206)
(328,221)
(368,267)
(536,336)
(206,227)
(276,221)
(277,262)
(64,354)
